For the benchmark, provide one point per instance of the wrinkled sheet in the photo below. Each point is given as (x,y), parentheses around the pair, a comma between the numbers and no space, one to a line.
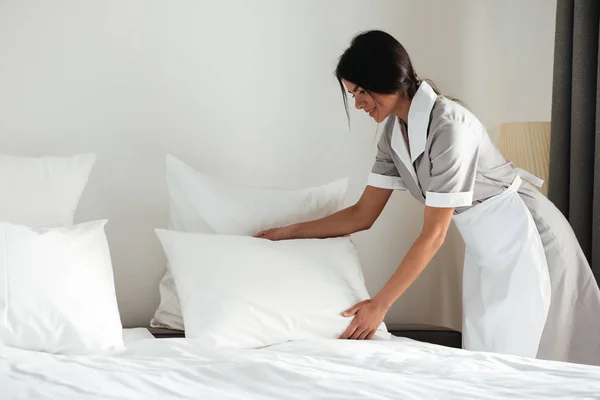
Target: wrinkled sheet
(151,368)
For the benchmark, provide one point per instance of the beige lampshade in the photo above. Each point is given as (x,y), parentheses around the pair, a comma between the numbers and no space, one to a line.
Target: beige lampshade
(527,145)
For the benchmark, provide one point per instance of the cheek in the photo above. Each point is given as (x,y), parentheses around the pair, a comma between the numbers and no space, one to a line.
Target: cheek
(384,103)
(385,107)
(389,103)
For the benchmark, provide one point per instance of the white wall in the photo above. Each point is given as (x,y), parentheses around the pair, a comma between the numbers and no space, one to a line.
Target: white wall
(205,80)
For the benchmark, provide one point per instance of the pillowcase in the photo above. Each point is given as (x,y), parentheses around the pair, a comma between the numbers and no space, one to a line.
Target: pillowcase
(243,292)
(44,191)
(57,291)
(202,203)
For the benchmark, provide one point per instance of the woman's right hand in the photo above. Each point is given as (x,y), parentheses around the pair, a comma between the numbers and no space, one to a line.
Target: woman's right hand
(344,222)
(276,234)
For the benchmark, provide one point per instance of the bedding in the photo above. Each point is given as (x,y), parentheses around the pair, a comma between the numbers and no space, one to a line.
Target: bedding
(129,335)
(42,191)
(57,290)
(204,203)
(314,369)
(244,292)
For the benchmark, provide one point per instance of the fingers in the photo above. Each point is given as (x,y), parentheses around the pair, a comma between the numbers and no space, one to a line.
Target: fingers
(349,331)
(351,311)
(358,333)
(262,234)
(363,335)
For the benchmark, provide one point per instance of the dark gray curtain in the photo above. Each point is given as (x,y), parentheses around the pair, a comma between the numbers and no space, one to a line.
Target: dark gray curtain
(574,182)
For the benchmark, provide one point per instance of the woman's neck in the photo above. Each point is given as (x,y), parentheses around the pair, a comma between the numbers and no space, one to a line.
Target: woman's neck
(401,109)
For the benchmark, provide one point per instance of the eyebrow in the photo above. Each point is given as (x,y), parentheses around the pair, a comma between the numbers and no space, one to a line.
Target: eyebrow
(354,90)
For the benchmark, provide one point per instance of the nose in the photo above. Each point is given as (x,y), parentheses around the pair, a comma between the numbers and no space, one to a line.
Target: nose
(359,104)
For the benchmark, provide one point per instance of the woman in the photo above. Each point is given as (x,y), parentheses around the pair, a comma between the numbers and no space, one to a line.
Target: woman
(527,287)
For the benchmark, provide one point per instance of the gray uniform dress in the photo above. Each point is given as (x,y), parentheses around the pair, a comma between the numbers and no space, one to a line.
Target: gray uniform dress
(445,158)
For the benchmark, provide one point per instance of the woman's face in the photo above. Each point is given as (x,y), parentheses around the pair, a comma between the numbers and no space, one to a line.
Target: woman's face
(378,106)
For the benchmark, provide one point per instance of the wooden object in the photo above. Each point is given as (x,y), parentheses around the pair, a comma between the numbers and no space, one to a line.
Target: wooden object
(423,333)
(428,333)
(527,145)
(161,333)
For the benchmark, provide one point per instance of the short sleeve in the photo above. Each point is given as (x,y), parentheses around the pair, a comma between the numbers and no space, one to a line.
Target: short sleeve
(454,154)
(384,173)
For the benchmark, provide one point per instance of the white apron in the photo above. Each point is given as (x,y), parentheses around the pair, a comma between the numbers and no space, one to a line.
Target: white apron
(506,284)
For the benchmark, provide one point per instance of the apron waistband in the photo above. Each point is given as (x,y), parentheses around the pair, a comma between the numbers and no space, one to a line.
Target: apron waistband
(534,180)
(481,207)
(514,187)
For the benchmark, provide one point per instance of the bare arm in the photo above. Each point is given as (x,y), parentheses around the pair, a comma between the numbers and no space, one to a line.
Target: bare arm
(352,219)
(370,313)
(433,234)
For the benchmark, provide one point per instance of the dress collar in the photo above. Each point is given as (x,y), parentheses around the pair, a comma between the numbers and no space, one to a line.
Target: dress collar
(418,124)
(418,119)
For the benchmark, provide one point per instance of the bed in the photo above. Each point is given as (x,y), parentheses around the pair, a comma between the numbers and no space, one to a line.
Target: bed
(262,319)
(399,368)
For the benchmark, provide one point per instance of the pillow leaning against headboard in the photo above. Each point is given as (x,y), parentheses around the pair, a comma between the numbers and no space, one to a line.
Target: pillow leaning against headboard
(42,191)
(203,203)
(57,289)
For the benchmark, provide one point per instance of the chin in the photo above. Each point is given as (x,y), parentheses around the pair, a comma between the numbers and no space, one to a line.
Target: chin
(380,118)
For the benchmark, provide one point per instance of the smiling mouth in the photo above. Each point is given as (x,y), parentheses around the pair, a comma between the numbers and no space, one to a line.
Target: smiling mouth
(371,112)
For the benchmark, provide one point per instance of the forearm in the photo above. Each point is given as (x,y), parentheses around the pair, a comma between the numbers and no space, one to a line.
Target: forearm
(341,223)
(413,263)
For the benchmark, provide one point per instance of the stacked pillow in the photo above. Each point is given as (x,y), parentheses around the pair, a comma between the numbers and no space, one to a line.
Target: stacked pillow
(57,290)
(234,290)
(203,203)
(56,281)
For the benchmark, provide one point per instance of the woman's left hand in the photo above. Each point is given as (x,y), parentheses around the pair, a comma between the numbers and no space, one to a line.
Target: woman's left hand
(368,315)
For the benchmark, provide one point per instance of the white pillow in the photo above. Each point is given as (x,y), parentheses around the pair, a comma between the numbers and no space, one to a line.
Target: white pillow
(202,203)
(44,191)
(57,291)
(244,292)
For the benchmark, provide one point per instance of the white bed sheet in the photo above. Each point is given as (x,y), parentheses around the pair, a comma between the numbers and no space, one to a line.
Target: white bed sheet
(151,368)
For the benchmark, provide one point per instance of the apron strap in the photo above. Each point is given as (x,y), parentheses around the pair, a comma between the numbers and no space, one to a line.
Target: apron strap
(534,180)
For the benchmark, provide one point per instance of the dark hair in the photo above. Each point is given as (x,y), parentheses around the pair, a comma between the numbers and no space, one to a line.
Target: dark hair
(378,63)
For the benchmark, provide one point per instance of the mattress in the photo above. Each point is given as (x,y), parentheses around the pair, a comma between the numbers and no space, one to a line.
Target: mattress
(401,368)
